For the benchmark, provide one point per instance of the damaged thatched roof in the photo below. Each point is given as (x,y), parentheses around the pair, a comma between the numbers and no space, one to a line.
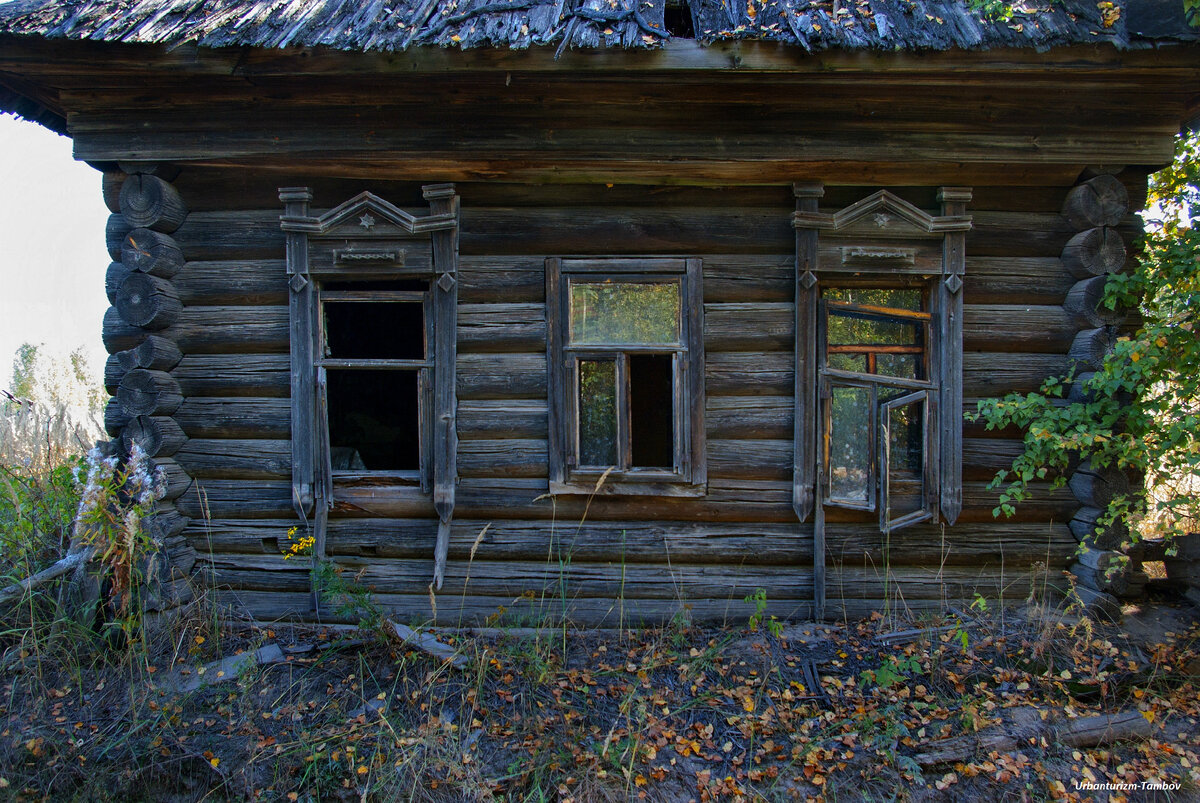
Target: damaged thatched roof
(397,24)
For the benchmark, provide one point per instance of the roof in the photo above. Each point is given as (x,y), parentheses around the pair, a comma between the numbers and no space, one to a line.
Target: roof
(389,25)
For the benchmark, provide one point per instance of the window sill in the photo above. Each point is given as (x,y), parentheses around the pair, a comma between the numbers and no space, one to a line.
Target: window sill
(623,487)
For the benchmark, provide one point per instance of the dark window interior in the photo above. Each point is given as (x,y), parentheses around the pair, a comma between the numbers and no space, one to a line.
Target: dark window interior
(677,16)
(380,330)
(651,413)
(373,420)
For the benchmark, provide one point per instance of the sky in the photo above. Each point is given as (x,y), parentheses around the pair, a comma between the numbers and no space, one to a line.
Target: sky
(52,252)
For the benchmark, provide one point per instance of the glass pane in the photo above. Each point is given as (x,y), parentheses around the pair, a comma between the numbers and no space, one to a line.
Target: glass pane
(374,420)
(905,366)
(895,297)
(850,445)
(621,313)
(651,410)
(597,413)
(905,459)
(374,330)
(845,328)
(848,362)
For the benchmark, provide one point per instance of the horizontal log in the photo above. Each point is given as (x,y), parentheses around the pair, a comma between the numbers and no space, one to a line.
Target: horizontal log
(1086,526)
(1099,201)
(514,579)
(113,276)
(147,301)
(159,436)
(522,376)
(728,278)
(1089,348)
(145,392)
(155,352)
(1094,252)
(152,252)
(1098,604)
(177,479)
(110,189)
(780,543)
(236,458)
(113,374)
(501,327)
(727,500)
(211,330)
(240,417)
(149,202)
(457,611)
(115,418)
(115,230)
(1098,487)
(522,328)
(503,458)
(749,416)
(1085,304)
(497,231)
(168,522)
(1120,584)
(233,375)
(239,282)
(481,419)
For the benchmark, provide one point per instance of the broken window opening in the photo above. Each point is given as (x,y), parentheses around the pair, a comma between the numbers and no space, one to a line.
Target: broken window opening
(627,390)
(374,347)
(877,434)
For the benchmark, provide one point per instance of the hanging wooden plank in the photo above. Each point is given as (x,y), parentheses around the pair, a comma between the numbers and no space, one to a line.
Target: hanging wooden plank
(950,303)
(301,314)
(444,201)
(804,416)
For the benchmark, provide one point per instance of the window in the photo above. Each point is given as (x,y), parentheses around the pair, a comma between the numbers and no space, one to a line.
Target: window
(626,368)
(372,308)
(877,396)
(375,369)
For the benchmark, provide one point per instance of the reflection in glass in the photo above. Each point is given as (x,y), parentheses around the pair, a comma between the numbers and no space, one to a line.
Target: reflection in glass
(895,297)
(624,313)
(905,458)
(850,445)
(848,362)
(597,413)
(904,366)
(847,327)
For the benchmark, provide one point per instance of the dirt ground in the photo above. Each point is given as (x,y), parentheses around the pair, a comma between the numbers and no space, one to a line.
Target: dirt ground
(853,711)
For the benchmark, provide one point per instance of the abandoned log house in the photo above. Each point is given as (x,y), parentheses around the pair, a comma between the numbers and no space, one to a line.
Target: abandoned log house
(612,310)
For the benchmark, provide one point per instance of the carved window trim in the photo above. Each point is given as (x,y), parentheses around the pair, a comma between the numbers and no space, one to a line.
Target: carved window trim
(688,475)
(869,265)
(368,238)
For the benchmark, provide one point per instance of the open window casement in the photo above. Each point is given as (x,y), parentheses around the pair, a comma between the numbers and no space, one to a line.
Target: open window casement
(878,395)
(372,309)
(626,378)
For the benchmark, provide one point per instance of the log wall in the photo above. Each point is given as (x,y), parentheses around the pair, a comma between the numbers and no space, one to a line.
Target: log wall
(613,559)
(603,160)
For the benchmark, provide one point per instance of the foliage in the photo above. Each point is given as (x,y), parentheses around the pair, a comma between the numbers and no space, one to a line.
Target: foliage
(115,502)
(36,512)
(52,409)
(759,600)
(1140,412)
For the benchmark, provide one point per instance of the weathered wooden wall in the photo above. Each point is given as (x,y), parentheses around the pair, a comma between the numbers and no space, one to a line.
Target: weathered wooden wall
(628,558)
(708,553)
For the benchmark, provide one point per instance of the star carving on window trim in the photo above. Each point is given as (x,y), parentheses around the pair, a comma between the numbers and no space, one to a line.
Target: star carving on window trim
(366,221)
(882,220)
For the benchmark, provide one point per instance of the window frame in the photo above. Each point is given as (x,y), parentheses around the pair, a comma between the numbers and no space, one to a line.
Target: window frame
(688,475)
(424,369)
(878,476)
